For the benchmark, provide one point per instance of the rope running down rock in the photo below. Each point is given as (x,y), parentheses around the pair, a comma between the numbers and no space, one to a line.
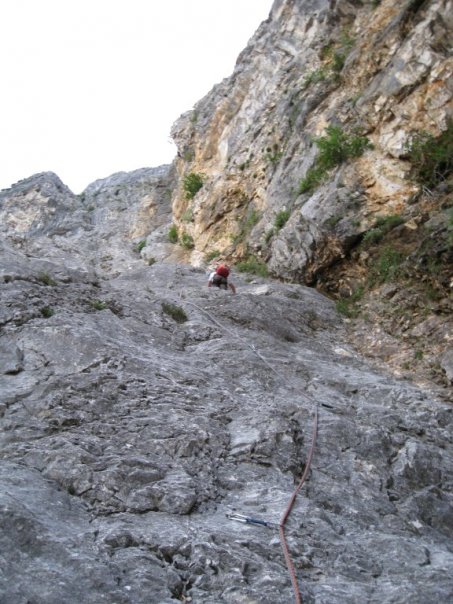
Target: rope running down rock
(284,518)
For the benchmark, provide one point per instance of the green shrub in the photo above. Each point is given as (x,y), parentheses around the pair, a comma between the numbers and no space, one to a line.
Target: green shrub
(99,304)
(252,219)
(312,179)
(186,241)
(345,308)
(173,234)
(357,294)
(175,312)
(348,306)
(47,312)
(382,226)
(253,265)
(431,157)
(140,245)
(373,236)
(270,233)
(346,41)
(389,222)
(191,184)
(334,56)
(338,61)
(314,77)
(281,219)
(388,265)
(46,279)
(336,147)
(189,155)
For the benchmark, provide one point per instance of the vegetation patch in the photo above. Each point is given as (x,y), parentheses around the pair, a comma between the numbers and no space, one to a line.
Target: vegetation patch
(140,245)
(317,75)
(191,184)
(173,234)
(338,60)
(381,227)
(281,219)
(187,241)
(388,266)
(99,304)
(175,312)
(333,56)
(268,236)
(254,266)
(348,306)
(431,157)
(335,148)
(46,279)
(47,312)
(252,219)
(273,154)
(312,180)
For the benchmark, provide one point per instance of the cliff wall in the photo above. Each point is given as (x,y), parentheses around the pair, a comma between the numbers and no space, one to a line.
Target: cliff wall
(310,160)
(140,409)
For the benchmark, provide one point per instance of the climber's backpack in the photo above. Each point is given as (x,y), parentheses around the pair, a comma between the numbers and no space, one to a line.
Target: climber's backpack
(222,270)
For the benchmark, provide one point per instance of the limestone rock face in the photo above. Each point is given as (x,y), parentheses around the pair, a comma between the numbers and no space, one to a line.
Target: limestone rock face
(138,408)
(44,219)
(378,68)
(132,205)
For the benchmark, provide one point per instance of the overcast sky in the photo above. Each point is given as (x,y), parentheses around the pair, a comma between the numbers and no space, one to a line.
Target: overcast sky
(92,87)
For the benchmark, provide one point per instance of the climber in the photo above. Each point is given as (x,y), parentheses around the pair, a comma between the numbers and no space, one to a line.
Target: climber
(219,278)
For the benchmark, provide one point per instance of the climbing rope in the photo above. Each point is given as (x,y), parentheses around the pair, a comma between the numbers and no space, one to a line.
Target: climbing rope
(281,528)
(238,337)
(284,518)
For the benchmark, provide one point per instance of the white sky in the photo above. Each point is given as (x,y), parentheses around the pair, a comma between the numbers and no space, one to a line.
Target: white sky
(92,87)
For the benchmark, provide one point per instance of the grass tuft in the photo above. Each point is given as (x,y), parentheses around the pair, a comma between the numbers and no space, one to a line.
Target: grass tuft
(175,312)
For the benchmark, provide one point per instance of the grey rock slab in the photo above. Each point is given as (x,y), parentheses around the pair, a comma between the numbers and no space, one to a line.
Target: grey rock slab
(49,553)
(127,437)
(156,430)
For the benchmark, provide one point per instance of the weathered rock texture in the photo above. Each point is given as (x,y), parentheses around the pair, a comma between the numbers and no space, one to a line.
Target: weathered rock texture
(138,407)
(382,69)
(98,228)
(126,436)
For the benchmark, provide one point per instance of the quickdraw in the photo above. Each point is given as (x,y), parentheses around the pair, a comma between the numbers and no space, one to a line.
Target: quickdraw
(284,518)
